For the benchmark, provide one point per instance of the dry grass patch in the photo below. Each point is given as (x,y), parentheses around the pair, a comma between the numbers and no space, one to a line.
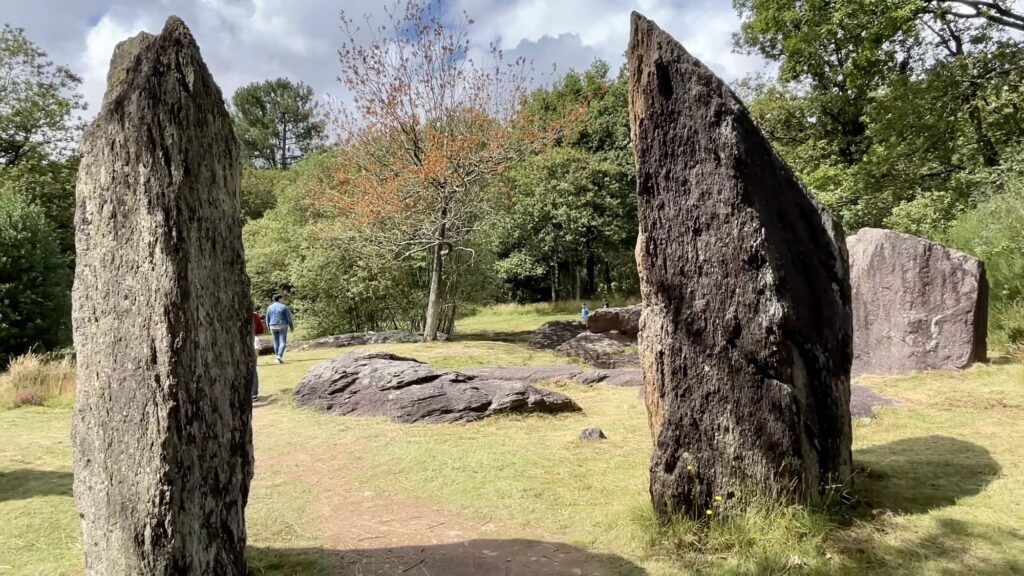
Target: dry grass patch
(36,379)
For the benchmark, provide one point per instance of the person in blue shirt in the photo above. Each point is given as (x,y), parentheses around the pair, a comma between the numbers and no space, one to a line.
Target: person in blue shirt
(585,313)
(279,318)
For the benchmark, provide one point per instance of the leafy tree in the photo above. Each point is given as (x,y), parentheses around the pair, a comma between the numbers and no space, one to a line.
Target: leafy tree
(276,121)
(569,224)
(430,128)
(34,281)
(37,102)
(258,191)
(893,112)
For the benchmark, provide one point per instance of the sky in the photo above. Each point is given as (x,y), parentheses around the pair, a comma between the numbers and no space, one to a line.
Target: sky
(246,41)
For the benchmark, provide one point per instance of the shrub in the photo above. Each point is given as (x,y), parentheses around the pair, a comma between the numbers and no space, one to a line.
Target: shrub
(35,281)
(33,379)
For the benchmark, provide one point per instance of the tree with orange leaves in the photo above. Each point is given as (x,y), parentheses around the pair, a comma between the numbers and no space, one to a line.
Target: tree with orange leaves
(428,129)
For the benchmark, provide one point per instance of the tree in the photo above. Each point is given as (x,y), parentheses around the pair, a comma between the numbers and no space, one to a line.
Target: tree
(35,297)
(428,129)
(276,122)
(568,223)
(38,130)
(894,113)
(37,101)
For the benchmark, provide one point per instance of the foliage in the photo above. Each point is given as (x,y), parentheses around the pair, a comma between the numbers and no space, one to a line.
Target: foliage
(428,130)
(258,191)
(276,122)
(896,113)
(37,101)
(34,280)
(568,224)
(994,232)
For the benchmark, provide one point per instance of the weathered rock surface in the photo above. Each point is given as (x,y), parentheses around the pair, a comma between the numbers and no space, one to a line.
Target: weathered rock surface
(605,350)
(553,334)
(161,437)
(625,321)
(746,330)
(917,305)
(592,435)
(363,338)
(623,377)
(406,390)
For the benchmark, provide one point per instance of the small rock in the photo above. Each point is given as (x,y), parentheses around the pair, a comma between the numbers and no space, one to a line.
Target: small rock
(592,435)
(553,334)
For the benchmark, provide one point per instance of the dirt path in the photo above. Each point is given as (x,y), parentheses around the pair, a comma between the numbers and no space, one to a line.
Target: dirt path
(368,533)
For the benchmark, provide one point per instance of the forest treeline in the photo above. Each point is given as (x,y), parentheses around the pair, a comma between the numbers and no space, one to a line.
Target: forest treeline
(450,183)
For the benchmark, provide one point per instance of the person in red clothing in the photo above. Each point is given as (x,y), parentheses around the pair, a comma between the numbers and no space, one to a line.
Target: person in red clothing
(257,322)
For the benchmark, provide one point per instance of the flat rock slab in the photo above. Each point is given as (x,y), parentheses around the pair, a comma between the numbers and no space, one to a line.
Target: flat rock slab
(605,350)
(553,334)
(864,400)
(362,339)
(917,305)
(407,391)
(623,377)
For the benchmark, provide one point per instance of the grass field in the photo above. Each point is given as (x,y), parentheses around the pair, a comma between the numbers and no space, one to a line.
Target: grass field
(942,485)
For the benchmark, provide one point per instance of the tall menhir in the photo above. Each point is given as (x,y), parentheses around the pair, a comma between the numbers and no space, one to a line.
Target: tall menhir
(746,332)
(162,434)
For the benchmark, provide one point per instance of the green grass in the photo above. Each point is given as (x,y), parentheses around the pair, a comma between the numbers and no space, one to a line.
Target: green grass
(519,318)
(940,487)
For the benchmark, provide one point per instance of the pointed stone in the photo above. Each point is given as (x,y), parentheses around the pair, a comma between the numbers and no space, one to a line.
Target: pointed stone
(745,336)
(162,437)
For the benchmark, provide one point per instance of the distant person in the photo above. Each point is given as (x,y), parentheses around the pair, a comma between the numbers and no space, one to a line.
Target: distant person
(606,305)
(279,318)
(257,322)
(585,313)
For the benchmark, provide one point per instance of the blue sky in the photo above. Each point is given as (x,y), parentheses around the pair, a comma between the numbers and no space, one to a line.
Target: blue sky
(250,40)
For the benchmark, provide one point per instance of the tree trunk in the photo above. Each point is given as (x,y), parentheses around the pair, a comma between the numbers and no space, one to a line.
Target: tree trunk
(591,287)
(436,276)
(161,431)
(554,281)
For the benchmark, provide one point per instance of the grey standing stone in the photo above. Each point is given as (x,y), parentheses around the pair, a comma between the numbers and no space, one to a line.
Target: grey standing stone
(745,338)
(917,305)
(162,436)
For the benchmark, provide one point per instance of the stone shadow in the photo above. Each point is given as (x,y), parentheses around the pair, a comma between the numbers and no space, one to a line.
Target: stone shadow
(26,483)
(521,337)
(916,475)
(514,557)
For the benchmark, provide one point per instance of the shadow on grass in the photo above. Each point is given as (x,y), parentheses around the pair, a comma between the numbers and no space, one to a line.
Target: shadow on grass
(469,558)
(26,483)
(917,475)
(948,548)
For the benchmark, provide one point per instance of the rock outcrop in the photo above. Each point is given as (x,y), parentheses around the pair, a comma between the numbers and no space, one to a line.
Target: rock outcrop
(161,435)
(917,305)
(746,334)
(362,339)
(592,435)
(605,350)
(555,333)
(406,390)
(622,377)
(625,321)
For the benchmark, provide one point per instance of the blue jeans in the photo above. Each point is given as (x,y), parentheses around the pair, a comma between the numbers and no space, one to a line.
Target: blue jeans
(280,341)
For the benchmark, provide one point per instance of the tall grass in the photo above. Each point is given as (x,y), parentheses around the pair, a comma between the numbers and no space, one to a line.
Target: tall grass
(35,379)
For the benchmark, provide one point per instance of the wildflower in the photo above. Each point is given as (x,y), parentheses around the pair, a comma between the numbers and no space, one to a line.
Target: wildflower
(689,467)
(718,498)
(709,512)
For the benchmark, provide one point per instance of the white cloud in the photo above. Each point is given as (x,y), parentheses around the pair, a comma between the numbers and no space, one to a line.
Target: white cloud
(245,41)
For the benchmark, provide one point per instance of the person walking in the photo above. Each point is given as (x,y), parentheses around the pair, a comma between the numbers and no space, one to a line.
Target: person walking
(279,318)
(585,313)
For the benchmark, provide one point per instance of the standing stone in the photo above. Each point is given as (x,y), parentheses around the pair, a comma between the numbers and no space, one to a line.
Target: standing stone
(745,338)
(162,435)
(917,305)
